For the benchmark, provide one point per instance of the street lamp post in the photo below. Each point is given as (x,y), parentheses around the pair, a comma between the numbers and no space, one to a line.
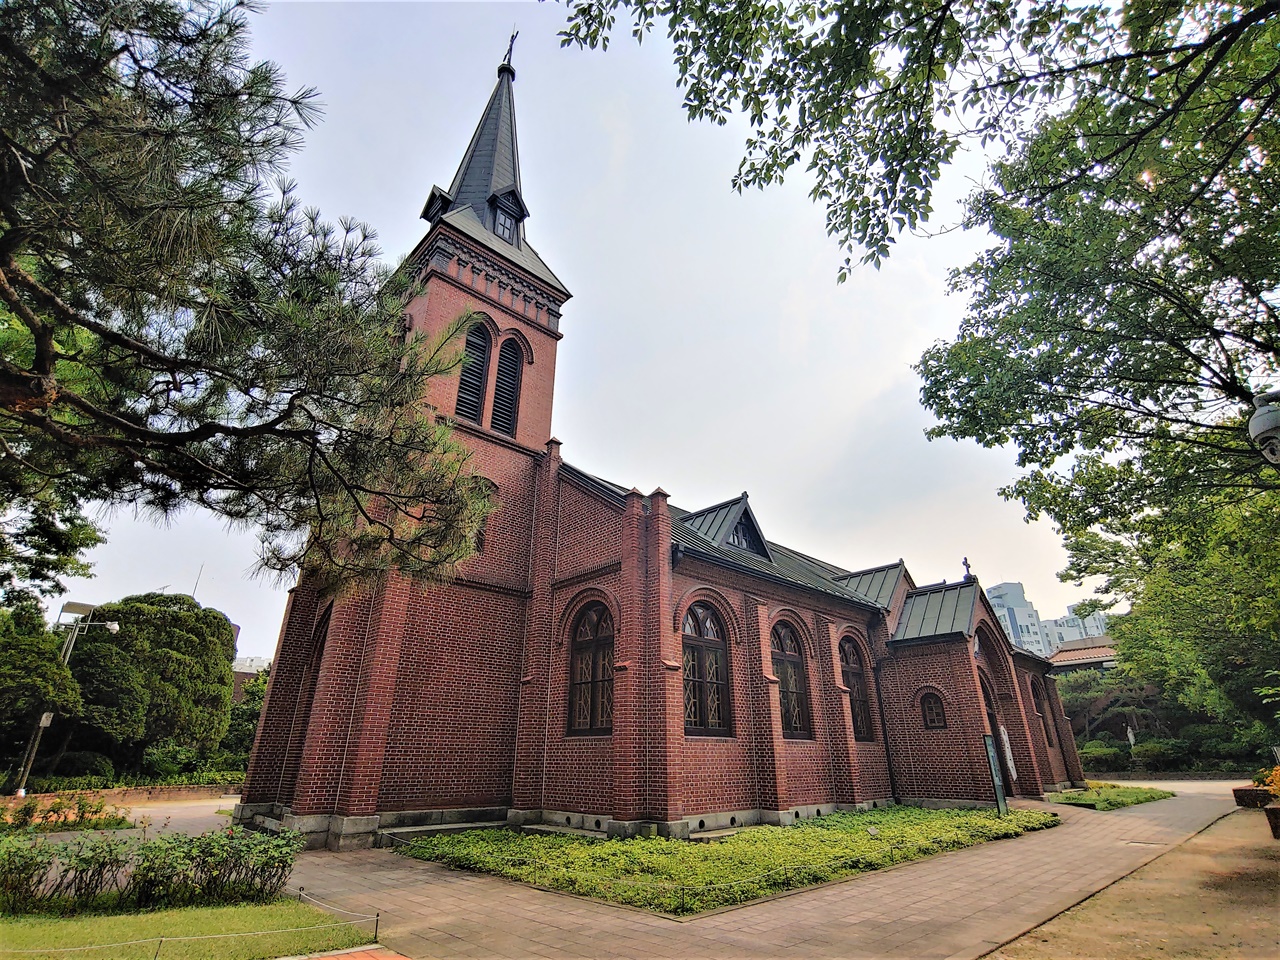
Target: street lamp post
(74,630)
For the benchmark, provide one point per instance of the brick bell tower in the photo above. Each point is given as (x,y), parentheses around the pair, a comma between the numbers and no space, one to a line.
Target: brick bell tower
(400,702)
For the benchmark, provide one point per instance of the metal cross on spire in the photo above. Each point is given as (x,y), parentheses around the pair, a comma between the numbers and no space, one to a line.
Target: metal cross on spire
(511,46)
(965,563)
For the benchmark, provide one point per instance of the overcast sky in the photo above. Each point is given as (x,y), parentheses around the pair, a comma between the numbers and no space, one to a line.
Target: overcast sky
(707,348)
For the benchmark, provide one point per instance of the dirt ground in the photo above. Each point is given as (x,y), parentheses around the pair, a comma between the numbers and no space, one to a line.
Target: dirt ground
(1216,896)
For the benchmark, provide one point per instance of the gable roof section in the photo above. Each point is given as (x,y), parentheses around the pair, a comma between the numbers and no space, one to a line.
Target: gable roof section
(878,583)
(942,610)
(786,566)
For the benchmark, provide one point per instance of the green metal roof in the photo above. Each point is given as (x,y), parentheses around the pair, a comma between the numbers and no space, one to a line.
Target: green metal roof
(784,565)
(878,583)
(941,610)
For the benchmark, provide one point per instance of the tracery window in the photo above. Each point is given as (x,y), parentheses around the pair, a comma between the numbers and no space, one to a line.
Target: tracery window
(788,667)
(855,678)
(706,673)
(931,710)
(591,671)
(475,374)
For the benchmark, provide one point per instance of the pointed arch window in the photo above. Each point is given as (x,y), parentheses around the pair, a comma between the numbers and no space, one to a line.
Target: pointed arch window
(475,374)
(788,667)
(854,675)
(591,672)
(706,673)
(506,387)
(931,711)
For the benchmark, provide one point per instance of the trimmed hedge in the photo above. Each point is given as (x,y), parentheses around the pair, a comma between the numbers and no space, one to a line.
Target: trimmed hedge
(104,872)
(200,778)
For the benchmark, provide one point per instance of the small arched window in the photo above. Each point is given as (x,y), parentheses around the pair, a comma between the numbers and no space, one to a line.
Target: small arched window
(706,673)
(788,667)
(935,717)
(1042,710)
(855,678)
(475,374)
(506,388)
(591,671)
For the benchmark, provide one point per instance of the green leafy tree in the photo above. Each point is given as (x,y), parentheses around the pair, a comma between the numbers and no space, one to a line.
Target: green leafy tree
(164,677)
(875,99)
(1205,618)
(33,677)
(245,714)
(180,330)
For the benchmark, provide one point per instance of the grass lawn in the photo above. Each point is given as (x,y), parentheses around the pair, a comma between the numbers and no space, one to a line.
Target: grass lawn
(1109,796)
(41,933)
(678,877)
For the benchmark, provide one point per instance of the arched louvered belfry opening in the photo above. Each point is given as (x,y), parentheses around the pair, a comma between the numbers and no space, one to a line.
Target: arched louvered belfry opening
(475,374)
(506,388)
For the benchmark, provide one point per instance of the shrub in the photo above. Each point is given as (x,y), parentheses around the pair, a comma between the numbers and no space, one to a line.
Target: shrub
(64,784)
(1095,757)
(91,867)
(79,811)
(172,870)
(24,871)
(85,764)
(1159,754)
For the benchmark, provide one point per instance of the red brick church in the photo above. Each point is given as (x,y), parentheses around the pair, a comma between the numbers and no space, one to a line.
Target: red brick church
(607,660)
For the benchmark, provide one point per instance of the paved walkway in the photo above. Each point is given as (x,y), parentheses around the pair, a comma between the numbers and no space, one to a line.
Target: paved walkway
(957,905)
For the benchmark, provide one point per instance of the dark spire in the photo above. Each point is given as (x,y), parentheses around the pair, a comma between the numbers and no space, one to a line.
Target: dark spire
(484,200)
(488,179)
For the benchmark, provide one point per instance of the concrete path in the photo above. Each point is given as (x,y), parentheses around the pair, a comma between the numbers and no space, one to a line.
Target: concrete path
(961,904)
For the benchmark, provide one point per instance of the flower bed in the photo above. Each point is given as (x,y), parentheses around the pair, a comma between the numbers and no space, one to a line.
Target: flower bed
(1109,796)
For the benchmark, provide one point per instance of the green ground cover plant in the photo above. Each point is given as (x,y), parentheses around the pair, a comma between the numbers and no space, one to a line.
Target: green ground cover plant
(77,812)
(47,933)
(1109,796)
(678,877)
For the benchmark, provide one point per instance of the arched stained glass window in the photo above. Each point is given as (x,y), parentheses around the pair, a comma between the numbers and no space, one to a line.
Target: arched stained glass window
(854,676)
(706,673)
(591,671)
(788,667)
(506,388)
(935,717)
(475,374)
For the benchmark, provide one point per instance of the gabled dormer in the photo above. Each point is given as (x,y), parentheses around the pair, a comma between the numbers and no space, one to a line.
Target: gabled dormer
(730,524)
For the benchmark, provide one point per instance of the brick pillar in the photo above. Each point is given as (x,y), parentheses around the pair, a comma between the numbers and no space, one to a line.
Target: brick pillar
(1062,727)
(770,766)
(539,642)
(280,721)
(630,658)
(360,773)
(837,717)
(664,673)
(335,710)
